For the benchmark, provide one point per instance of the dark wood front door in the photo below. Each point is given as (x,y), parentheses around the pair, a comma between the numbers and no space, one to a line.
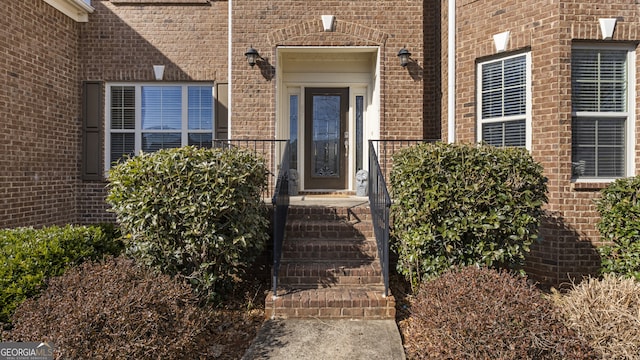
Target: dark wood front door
(325,148)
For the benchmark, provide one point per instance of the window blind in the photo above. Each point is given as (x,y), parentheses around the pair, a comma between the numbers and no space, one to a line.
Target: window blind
(505,133)
(168,116)
(123,107)
(504,96)
(599,82)
(504,88)
(598,147)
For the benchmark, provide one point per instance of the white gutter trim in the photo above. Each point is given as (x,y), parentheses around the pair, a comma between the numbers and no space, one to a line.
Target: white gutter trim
(78,10)
(451,74)
(229,69)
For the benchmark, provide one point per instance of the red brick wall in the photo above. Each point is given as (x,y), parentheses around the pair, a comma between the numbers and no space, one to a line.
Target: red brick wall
(546,28)
(122,42)
(39,115)
(267,24)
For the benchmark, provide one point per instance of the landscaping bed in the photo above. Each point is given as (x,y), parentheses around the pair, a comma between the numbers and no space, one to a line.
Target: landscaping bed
(118,309)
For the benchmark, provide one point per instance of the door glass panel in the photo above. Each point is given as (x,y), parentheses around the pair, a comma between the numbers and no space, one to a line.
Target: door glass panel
(359,130)
(293,130)
(326,136)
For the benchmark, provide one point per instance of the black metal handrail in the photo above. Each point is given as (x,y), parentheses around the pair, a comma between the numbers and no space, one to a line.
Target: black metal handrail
(380,205)
(380,161)
(280,209)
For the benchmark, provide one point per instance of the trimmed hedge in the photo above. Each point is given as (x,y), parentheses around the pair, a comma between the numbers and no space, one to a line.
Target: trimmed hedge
(458,204)
(29,256)
(619,223)
(193,212)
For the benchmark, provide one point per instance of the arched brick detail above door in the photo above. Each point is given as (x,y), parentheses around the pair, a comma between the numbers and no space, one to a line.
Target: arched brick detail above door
(312,33)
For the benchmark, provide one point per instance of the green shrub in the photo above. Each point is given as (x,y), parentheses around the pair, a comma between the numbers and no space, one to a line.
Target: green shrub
(28,256)
(193,212)
(480,313)
(605,311)
(619,209)
(459,205)
(115,310)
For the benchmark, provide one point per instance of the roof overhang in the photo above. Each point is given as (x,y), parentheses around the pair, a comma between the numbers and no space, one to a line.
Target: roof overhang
(78,10)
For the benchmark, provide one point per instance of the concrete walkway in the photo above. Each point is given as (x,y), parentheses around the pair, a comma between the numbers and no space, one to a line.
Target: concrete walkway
(327,339)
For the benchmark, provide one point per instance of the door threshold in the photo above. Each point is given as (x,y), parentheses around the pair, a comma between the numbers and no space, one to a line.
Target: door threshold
(330,200)
(327,193)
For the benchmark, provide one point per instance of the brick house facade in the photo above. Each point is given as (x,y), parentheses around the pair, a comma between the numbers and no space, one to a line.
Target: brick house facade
(549,32)
(70,68)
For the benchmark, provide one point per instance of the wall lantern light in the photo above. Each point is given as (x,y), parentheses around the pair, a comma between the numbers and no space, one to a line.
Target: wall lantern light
(252,56)
(404,56)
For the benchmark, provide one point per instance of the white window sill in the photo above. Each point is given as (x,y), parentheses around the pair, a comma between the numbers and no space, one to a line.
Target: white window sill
(78,10)
(591,184)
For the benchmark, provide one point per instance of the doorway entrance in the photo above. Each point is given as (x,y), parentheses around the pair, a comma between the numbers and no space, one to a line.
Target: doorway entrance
(327,104)
(326,139)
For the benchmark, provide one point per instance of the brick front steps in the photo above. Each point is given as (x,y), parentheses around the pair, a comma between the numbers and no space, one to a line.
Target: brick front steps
(330,267)
(350,303)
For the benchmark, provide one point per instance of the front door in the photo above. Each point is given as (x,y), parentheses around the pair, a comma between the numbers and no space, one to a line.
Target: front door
(326,139)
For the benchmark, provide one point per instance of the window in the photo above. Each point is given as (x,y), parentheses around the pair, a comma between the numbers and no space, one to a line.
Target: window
(600,86)
(153,117)
(504,101)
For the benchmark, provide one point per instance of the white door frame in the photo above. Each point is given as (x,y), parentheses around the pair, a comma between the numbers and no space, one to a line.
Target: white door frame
(361,82)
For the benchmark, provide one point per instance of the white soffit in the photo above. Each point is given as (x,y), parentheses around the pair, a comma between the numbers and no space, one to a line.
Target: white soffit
(607,27)
(501,40)
(78,10)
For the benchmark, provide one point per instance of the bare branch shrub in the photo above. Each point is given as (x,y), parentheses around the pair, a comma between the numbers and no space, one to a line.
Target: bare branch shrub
(607,312)
(478,313)
(115,310)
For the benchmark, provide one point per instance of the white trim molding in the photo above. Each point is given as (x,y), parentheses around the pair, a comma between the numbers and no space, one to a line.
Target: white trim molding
(607,26)
(327,22)
(451,72)
(517,114)
(78,10)
(501,40)
(158,72)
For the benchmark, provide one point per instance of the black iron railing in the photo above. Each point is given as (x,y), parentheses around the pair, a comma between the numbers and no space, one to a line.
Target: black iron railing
(385,149)
(380,205)
(280,209)
(380,161)
(278,156)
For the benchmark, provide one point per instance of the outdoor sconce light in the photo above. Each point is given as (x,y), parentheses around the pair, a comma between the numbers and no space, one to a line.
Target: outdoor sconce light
(252,56)
(404,56)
